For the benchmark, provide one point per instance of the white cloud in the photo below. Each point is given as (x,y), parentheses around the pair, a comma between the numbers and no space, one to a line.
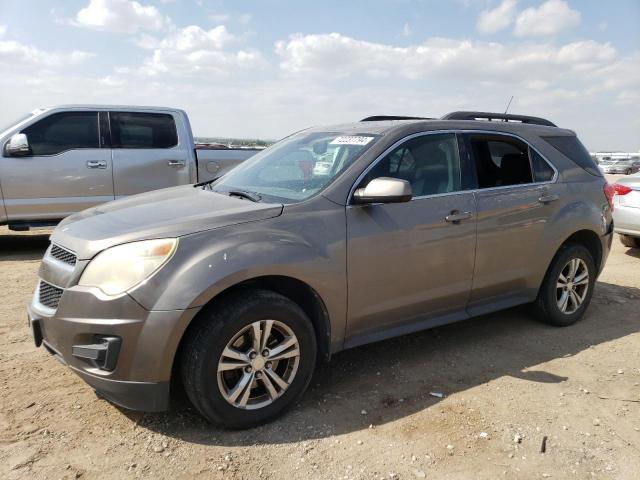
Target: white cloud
(406,30)
(193,49)
(121,16)
(146,42)
(14,54)
(335,55)
(3,30)
(499,18)
(111,81)
(244,19)
(552,17)
(220,17)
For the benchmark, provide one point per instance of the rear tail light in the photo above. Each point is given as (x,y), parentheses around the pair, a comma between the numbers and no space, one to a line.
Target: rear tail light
(620,189)
(609,192)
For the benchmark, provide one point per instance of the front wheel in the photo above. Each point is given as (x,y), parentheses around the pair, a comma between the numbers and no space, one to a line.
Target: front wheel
(567,287)
(248,358)
(628,172)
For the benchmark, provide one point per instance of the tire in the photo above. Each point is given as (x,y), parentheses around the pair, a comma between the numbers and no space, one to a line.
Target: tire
(210,390)
(628,172)
(547,304)
(629,241)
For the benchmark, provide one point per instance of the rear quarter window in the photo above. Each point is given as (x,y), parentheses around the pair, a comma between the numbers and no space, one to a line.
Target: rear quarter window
(573,148)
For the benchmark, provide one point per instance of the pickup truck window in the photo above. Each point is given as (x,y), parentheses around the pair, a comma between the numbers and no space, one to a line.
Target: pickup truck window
(143,130)
(60,132)
(295,168)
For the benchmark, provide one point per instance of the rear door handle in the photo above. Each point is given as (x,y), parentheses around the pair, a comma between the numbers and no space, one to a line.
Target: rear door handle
(176,163)
(96,164)
(455,216)
(548,198)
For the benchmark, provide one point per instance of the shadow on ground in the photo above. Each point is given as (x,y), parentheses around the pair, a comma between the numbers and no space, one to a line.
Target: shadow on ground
(393,379)
(23,246)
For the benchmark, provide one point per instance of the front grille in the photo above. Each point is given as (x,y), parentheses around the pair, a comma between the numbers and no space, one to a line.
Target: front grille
(49,296)
(63,255)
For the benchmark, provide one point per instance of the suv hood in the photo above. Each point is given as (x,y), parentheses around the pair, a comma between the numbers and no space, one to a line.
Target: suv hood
(170,212)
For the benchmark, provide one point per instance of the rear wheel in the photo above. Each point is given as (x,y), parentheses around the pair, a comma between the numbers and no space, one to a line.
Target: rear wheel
(628,172)
(567,287)
(629,241)
(248,359)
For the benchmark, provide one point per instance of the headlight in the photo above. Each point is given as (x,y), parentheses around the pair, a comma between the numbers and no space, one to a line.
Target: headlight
(118,269)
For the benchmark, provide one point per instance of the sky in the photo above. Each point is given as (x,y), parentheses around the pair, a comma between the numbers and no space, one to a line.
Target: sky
(263,69)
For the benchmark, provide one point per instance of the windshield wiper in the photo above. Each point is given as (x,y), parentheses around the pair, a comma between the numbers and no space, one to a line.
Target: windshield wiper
(254,197)
(208,182)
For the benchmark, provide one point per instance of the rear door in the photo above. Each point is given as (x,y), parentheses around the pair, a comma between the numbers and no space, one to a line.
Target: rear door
(147,152)
(411,263)
(68,169)
(516,195)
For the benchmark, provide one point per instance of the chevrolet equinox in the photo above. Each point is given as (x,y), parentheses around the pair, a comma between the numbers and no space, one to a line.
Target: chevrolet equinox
(331,238)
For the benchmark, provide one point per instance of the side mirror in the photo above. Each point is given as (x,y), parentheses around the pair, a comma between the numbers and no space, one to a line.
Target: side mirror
(18,146)
(384,190)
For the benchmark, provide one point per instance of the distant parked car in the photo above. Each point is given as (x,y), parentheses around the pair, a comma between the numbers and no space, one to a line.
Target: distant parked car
(625,166)
(626,212)
(60,160)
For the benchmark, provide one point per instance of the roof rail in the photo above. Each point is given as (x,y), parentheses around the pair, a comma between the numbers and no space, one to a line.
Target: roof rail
(504,117)
(380,118)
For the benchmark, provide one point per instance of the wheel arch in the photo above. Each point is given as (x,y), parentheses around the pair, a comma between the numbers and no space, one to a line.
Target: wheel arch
(294,289)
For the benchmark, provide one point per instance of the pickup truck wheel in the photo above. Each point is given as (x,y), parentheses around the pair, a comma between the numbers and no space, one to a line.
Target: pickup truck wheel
(567,287)
(248,359)
(629,241)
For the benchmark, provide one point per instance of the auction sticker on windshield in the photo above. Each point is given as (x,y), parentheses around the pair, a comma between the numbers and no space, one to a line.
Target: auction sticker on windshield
(351,140)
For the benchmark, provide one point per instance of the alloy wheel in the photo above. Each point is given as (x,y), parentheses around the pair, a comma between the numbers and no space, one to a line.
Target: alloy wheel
(258,364)
(572,286)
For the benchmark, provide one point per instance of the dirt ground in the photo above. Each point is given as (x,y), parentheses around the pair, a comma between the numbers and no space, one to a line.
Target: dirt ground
(508,383)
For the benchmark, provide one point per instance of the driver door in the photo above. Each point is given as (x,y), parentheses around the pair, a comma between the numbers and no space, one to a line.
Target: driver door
(410,265)
(66,171)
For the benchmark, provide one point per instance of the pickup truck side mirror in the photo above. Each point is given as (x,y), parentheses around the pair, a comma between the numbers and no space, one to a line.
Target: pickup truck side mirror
(384,190)
(18,146)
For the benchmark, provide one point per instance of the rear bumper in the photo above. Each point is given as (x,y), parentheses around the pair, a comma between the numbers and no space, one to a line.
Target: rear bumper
(626,220)
(137,373)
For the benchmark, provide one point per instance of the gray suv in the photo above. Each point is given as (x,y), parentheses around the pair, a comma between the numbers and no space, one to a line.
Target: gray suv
(333,237)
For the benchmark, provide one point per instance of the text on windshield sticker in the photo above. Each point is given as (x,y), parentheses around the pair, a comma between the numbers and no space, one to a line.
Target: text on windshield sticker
(351,140)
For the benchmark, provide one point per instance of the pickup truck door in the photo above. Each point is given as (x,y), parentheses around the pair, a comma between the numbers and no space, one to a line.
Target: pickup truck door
(147,152)
(67,170)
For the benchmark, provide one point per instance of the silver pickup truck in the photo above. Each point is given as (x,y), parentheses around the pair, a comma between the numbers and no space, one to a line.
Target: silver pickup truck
(60,160)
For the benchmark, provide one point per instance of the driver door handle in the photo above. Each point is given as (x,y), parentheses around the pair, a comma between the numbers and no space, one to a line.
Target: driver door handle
(96,164)
(455,216)
(176,163)
(547,198)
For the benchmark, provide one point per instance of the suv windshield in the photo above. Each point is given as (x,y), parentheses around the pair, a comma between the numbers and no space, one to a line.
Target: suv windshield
(295,168)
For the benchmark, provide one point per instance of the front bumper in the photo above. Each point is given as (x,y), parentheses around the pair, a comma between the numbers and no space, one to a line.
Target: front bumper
(138,378)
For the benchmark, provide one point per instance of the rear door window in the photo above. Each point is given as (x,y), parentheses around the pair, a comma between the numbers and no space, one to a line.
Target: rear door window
(143,130)
(542,171)
(500,161)
(63,131)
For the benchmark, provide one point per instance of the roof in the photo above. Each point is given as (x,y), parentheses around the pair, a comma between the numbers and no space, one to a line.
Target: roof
(386,126)
(92,106)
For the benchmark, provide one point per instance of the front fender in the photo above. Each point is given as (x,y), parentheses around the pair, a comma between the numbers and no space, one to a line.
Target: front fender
(309,246)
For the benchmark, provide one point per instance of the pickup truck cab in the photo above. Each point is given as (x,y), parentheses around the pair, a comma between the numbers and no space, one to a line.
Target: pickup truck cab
(60,160)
